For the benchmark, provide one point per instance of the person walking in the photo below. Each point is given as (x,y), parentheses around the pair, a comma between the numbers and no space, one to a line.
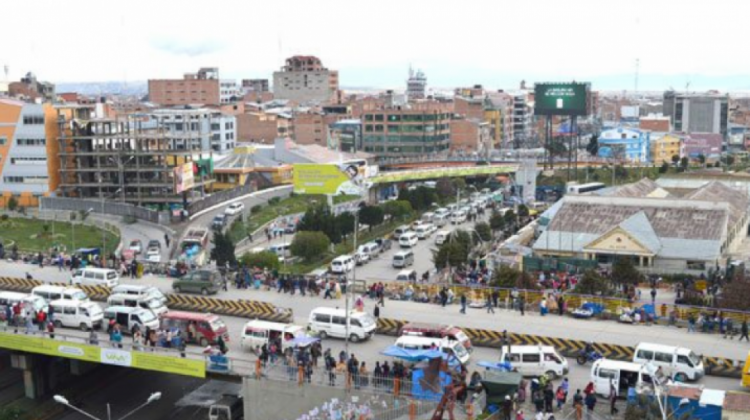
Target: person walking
(653,295)
(522,304)
(376,312)
(463,304)
(578,404)
(612,399)
(743,331)
(549,397)
(166,240)
(590,402)
(691,323)
(488,303)
(507,408)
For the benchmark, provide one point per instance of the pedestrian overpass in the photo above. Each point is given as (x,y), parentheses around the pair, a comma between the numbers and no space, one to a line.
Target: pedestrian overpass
(443,172)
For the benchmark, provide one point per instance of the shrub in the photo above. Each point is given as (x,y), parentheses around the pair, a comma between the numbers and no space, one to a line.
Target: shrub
(275,200)
(256,208)
(263,259)
(309,245)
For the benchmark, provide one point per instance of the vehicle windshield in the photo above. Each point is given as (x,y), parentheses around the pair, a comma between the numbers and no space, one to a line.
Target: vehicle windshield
(217,324)
(694,359)
(156,293)
(93,310)
(461,336)
(154,304)
(111,275)
(460,350)
(79,295)
(366,320)
(147,316)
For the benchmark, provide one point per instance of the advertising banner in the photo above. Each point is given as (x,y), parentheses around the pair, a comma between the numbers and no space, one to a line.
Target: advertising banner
(118,357)
(561,98)
(183,177)
(329,179)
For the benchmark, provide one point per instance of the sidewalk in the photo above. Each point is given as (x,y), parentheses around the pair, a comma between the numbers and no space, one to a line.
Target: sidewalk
(532,323)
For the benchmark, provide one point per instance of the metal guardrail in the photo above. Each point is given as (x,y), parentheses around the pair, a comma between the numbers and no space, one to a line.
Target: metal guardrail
(106,207)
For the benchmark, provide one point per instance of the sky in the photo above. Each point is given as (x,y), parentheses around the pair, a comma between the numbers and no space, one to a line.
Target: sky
(496,43)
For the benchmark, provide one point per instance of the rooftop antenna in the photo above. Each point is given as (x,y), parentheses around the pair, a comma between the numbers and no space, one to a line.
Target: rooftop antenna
(687,87)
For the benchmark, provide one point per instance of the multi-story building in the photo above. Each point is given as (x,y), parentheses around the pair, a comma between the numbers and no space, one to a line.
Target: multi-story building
(229,91)
(304,80)
(263,126)
(416,85)
(255,85)
(415,130)
(470,136)
(198,129)
(625,144)
(664,147)
(29,167)
(496,108)
(194,88)
(698,113)
(30,89)
(135,157)
(522,116)
(345,135)
(656,123)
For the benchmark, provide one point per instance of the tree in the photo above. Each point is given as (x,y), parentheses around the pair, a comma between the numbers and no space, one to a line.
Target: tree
(12,203)
(309,245)
(318,217)
(484,231)
(592,284)
(664,168)
(624,272)
(497,222)
(730,160)
(397,209)
(371,216)
(509,277)
(420,198)
(263,259)
(510,219)
(684,162)
(702,159)
(523,212)
(445,187)
(675,159)
(450,253)
(223,251)
(345,224)
(593,146)
(735,292)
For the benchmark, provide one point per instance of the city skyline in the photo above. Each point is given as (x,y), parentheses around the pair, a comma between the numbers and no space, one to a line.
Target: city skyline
(373,47)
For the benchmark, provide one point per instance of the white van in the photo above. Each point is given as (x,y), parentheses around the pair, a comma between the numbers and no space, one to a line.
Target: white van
(77,314)
(427,217)
(146,302)
(408,240)
(50,292)
(412,342)
(128,317)
(403,259)
(678,363)
(440,220)
(11,298)
(406,275)
(342,264)
(424,231)
(258,333)
(536,360)
(458,217)
(400,231)
(282,250)
(92,276)
(624,374)
(139,290)
(330,322)
(441,237)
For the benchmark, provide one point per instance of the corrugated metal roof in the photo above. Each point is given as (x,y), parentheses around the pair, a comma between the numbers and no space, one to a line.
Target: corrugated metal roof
(641,230)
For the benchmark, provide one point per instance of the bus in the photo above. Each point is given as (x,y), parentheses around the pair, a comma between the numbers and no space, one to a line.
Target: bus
(584,188)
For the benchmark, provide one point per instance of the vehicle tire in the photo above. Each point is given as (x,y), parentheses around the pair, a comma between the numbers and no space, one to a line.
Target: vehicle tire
(551,374)
(581,359)
(203,342)
(680,377)
(354,338)
(204,292)
(322,335)
(176,289)
(84,327)
(58,324)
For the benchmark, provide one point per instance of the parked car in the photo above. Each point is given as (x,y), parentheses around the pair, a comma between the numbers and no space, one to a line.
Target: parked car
(234,208)
(153,254)
(154,243)
(290,229)
(199,281)
(136,246)
(219,221)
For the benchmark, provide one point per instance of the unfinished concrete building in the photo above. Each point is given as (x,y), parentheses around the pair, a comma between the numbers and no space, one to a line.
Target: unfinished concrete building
(131,158)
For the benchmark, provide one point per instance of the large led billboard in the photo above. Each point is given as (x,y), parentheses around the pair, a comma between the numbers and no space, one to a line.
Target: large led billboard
(561,98)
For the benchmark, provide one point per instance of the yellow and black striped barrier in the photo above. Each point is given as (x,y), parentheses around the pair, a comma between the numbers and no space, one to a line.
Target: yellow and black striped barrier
(717,366)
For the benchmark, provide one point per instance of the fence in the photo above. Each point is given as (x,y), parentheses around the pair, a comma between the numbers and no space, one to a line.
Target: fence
(98,206)
(219,197)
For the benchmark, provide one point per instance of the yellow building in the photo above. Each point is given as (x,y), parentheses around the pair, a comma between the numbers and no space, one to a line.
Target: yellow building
(663,148)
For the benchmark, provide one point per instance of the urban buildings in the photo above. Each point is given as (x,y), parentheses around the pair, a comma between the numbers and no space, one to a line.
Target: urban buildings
(255,85)
(703,144)
(627,144)
(304,80)
(496,108)
(410,131)
(664,147)
(137,158)
(229,91)
(686,232)
(198,88)
(522,119)
(416,85)
(345,135)
(29,167)
(470,137)
(32,90)
(655,123)
(698,113)
(199,129)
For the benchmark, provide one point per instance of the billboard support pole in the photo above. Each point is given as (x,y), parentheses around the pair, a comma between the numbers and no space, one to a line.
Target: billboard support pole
(577,143)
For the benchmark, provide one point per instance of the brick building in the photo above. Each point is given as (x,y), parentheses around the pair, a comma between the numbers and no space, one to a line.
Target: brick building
(194,88)
(303,79)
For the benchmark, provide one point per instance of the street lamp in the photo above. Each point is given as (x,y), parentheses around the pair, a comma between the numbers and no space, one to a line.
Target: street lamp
(155,396)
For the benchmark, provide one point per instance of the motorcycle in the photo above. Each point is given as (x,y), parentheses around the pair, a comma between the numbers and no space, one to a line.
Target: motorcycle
(584,357)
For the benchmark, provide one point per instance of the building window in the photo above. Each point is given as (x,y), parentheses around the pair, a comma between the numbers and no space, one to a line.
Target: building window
(31,142)
(33,119)
(28,161)
(3,140)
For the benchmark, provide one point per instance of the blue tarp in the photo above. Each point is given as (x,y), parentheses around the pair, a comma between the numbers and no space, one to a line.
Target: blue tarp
(412,355)
(693,409)
(304,341)
(501,366)
(432,393)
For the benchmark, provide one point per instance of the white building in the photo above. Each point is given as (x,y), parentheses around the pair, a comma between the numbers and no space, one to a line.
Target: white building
(416,85)
(25,168)
(229,91)
(199,129)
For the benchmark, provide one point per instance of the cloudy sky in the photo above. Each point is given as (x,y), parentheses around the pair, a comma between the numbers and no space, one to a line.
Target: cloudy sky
(463,42)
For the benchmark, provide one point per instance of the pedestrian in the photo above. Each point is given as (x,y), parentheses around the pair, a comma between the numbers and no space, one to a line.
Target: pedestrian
(691,324)
(330,368)
(549,397)
(166,240)
(653,295)
(376,312)
(93,338)
(561,305)
(743,331)
(565,385)
(51,330)
(41,319)
(578,404)
(522,304)
(590,402)
(490,309)
(543,306)
(495,297)
(463,303)
(612,399)
(507,408)
(560,397)
(51,313)
(115,337)
(519,415)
